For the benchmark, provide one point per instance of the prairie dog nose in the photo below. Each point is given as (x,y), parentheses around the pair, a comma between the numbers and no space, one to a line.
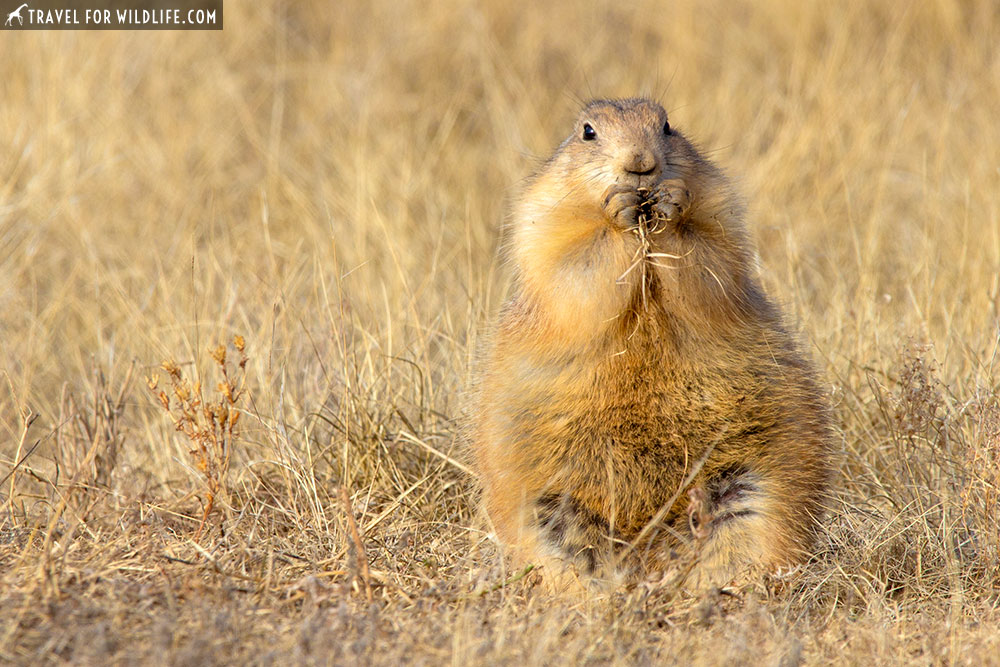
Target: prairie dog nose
(640,161)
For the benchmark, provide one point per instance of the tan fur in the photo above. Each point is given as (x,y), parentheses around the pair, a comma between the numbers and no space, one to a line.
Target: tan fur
(604,387)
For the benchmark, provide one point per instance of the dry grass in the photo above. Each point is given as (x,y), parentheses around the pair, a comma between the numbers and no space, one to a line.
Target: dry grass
(328,181)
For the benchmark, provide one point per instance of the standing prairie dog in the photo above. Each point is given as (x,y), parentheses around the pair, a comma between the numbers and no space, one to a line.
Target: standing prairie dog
(641,399)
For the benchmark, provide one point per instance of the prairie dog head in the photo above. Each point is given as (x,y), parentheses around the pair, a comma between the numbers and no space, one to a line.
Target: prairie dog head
(623,142)
(572,235)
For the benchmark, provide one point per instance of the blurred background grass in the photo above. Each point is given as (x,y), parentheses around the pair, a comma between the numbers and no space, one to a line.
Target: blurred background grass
(330,182)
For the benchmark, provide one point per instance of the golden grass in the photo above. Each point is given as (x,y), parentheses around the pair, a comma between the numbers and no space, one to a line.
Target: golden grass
(329,181)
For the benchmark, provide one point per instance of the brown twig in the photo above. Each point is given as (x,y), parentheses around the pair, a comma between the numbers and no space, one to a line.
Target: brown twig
(500,584)
(45,575)
(362,558)
(27,419)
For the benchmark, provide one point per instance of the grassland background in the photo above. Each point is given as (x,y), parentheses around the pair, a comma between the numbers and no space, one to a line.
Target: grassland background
(329,181)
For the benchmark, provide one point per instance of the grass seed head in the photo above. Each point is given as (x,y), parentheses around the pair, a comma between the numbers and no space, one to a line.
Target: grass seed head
(219,354)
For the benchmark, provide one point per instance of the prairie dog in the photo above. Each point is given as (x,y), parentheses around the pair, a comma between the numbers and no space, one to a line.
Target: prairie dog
(641,398)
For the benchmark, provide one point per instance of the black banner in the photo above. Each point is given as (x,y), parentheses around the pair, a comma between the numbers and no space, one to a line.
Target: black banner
(111,14)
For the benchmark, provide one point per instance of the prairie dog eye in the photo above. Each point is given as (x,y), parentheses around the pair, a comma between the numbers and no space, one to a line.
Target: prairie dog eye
(666,128)
(589,134)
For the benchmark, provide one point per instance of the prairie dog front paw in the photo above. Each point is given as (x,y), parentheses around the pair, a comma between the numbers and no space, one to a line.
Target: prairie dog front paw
(672,199)
(621,205)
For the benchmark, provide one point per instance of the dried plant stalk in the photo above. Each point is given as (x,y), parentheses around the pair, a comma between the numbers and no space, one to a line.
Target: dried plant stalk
(210,424)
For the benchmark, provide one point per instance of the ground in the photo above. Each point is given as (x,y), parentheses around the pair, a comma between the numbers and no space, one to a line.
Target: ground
(328,182)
